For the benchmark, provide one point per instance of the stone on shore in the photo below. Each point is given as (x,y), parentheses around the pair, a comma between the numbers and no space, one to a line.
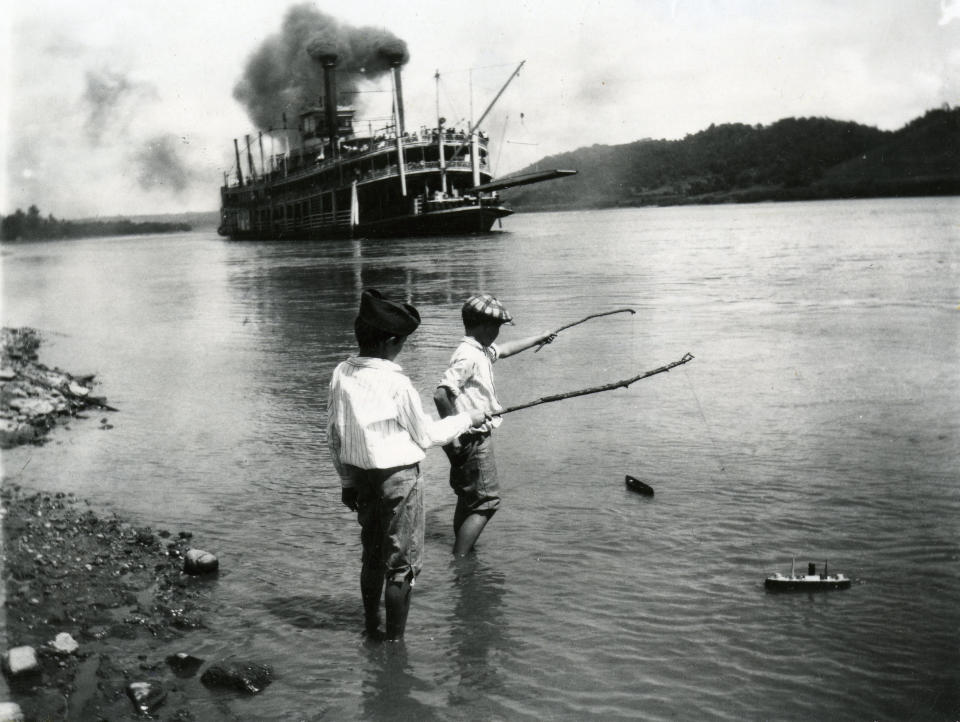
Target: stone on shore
(11,712)
(197,561)
(247,677)
(183,664)
(65,643)
(20,661)
(146,696)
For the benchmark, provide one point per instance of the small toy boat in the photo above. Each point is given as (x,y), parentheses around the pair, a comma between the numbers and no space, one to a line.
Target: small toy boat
(811,581)
(634,484)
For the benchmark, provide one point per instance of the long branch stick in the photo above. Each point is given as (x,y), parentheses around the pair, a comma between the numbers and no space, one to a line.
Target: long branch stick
(596,389)
(593,315)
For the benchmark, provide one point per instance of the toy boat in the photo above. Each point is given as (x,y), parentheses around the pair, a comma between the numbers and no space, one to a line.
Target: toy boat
(634,484)
(811,581)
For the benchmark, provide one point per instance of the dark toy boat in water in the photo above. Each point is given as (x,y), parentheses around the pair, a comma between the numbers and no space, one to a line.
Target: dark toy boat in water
(634,484)
(811,581)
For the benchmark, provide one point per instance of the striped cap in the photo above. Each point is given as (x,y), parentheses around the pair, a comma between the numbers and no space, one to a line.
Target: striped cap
(486,307)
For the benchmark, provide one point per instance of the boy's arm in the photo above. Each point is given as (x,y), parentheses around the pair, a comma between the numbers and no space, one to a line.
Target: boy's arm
(522,344)
(427,432)
(348,492)
(444,399)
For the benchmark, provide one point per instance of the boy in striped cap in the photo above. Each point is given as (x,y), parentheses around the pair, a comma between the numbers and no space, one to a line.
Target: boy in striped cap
(467,384)
(377,432)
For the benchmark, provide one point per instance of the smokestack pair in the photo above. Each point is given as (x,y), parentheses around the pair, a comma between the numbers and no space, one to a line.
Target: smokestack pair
(329,61)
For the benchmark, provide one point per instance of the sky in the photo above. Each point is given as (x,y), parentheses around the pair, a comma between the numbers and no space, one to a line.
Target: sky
(130,108)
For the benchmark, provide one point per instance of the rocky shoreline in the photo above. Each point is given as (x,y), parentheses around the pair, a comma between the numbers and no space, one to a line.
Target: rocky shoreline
(87,595)
(115,589)
(34,398)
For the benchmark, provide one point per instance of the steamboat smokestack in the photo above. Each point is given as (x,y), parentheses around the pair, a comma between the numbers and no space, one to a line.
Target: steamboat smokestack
(329,61)
(395,62)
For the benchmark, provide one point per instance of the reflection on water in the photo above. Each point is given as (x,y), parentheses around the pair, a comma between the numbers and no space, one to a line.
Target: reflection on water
(390,685)
(479,629)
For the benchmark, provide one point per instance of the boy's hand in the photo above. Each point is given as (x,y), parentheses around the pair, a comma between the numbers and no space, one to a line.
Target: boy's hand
(349,498)
(547,338)
(477,417)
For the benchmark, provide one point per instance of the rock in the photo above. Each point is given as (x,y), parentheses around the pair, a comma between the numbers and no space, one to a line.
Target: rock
(77,390)
(184,665)
(65,643)
(11,712)
(247,677)
(7,374)
(31,406)
(146,696)
(197,561)
(20,661)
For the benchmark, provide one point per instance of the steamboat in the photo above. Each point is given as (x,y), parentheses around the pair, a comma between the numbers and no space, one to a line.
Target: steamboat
(338,182)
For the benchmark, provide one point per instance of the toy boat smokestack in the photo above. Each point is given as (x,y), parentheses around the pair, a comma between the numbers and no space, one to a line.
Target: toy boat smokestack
(329,61)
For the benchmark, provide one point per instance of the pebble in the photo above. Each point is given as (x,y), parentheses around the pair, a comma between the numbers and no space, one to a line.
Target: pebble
(197,561)
(20,660)
(65,643)
(146,696)
(11,712)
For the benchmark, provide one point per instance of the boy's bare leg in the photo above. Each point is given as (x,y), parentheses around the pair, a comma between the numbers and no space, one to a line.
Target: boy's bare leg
(371,587)
(397,602)
(468,532)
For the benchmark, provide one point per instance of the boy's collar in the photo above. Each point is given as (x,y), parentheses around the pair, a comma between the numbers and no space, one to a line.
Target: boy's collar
(372,362)
(473,342)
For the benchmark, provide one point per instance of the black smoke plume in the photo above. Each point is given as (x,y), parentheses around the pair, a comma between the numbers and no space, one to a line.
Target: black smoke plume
(160,166)
(283,75)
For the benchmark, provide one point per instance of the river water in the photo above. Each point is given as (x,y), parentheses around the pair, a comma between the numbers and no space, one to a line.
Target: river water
(819,420)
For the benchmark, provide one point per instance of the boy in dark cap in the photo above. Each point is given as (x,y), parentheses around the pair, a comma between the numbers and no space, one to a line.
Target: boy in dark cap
(377,432)
(466,385)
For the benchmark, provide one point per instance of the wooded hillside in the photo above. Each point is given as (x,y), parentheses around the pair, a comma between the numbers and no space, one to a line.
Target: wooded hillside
(792,159)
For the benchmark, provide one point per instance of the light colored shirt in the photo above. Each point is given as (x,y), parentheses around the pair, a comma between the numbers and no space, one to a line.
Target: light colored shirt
(376,419)
(469,377)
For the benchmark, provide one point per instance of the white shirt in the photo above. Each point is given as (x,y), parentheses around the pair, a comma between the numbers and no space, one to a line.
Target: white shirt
(376,419)
(470,379)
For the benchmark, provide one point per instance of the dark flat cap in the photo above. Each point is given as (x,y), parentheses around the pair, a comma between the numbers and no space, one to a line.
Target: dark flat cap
(399,319)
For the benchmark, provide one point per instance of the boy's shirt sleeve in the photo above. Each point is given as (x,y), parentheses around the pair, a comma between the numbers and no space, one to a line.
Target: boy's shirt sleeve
(334,443)
(424,430)
(459,371)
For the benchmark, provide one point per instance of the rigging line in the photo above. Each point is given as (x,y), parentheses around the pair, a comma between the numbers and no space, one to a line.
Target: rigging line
(449,101)
(481,67)
(713,440)
(503,136)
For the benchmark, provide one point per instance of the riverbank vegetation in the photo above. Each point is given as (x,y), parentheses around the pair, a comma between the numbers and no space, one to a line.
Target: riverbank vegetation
(791,159)
(32,226)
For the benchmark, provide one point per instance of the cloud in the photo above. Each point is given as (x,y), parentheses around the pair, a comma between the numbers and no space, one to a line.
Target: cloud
(112,101)
(949,11)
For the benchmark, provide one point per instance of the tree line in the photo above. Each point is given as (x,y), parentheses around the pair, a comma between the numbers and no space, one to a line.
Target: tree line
(791,159)
(20,226)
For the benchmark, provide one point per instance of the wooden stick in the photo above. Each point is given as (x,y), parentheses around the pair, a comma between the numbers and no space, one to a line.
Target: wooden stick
(596,389)
(576,323)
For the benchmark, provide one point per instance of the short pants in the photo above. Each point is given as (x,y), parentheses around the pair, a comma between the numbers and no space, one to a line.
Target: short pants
(390,512)
(473,476)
